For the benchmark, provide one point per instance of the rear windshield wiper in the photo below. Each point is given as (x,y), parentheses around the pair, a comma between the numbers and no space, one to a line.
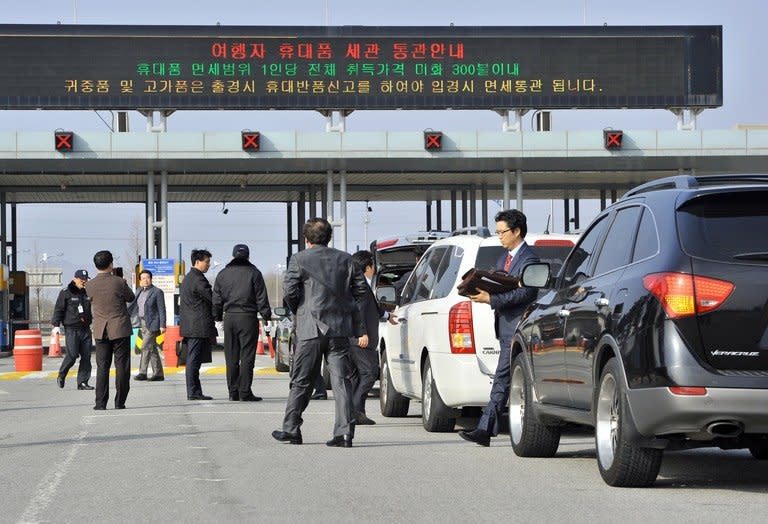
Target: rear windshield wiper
(760,255)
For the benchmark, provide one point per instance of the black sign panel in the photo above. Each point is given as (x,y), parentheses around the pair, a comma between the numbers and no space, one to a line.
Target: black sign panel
(193,67)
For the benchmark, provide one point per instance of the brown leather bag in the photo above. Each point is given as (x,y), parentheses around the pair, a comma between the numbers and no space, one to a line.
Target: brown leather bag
(493,282)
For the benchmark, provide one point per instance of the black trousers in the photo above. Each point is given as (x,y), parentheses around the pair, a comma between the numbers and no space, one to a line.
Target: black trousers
(241,333)
(195,349)
(306,364)
(79,344)
(365,361)
(120,348)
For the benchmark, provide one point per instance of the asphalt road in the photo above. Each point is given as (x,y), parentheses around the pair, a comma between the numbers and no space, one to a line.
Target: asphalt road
(166,459)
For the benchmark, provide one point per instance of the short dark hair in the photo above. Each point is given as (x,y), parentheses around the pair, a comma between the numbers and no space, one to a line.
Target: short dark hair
(200,254)
(363,259)
(317,231)
(514,219)
(102,260)
(146,271)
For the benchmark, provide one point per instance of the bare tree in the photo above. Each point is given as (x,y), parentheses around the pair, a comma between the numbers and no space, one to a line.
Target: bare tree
(135,243)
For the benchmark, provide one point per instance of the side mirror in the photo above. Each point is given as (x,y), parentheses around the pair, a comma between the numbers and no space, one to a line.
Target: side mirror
(281,311)
(387,297)
(536,275)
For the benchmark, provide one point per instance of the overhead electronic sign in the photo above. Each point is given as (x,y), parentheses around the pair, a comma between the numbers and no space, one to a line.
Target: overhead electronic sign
(354,67)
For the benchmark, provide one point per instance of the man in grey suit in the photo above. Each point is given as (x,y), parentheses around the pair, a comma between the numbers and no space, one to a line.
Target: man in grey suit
(111,329)
(508,307)
(149,307)
(320,287)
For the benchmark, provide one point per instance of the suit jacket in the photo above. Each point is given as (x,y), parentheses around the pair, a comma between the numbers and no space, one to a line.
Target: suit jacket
(320,287)
(370,315)
(109,297)
(196,306)
(508,307)
(154,308)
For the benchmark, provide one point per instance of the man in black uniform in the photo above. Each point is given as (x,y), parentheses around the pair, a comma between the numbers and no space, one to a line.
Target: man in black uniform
(239,295)
(196,320)
(73,309)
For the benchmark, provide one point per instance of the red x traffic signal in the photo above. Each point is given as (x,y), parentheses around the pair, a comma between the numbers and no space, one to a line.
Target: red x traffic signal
(433,140)
(63,140)
(612,138)
(250,140)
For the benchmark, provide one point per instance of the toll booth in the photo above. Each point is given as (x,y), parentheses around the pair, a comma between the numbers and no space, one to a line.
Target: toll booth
(4,309)
(16,315)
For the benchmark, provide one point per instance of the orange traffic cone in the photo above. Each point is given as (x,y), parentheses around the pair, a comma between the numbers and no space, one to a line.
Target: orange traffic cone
(54,348)
(259,344)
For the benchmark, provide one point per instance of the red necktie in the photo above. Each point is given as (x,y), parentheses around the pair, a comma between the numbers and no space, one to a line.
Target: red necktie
(508,262)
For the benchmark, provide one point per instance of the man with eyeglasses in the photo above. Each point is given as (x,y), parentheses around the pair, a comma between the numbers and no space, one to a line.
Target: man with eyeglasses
(508,307)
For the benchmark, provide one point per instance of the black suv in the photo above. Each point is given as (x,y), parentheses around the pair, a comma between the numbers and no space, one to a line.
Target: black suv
(654,331)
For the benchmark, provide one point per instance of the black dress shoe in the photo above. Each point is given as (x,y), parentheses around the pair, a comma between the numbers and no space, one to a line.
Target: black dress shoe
(84,385)
(156,378)
(250,398)
(99,408)
(199,397)
(284,436)
(362,420)
(60,381)
(119,406)
(478,436)
(343,441)
(234,397)
(140,376)
(319,396)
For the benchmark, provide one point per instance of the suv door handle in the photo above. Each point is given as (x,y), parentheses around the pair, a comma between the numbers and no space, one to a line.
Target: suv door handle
(402,320)
(602,302)
(563,313)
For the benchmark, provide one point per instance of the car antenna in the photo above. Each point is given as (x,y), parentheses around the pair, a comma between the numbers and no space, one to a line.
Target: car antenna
(546,229)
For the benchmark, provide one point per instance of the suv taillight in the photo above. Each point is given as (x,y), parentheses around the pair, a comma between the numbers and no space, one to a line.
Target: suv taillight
(684,295)
(460,328)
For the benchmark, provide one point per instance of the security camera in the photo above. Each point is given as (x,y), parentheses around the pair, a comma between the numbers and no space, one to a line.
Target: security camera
(224,208)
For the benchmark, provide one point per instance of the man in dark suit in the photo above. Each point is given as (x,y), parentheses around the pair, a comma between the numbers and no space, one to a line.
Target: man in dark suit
(321,286)
(511,227)
(364,349)
(149,308)
(196,320)
(111,329)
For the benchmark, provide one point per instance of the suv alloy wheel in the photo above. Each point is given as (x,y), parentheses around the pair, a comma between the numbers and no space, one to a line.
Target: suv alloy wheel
(392,403)
(435,415)
(529,437)
(621,463)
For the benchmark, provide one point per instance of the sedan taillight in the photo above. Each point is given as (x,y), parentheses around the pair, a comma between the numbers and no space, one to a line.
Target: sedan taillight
(460,328)
(683,295)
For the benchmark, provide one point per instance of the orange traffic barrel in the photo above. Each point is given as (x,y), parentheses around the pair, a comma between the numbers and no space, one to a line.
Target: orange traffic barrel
(172,335)
(28,350)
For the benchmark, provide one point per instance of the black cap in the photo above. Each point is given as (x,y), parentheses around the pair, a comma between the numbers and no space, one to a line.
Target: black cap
(241,251)
(82,274)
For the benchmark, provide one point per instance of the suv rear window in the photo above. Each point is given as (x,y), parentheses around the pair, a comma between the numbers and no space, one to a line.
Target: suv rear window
(725,227)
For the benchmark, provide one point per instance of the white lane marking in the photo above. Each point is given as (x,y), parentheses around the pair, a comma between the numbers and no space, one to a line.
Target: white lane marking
(210,480)
(46,489)
(3,392)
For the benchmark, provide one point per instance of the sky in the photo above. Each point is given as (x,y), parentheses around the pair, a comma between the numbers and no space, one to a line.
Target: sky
(70,234)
